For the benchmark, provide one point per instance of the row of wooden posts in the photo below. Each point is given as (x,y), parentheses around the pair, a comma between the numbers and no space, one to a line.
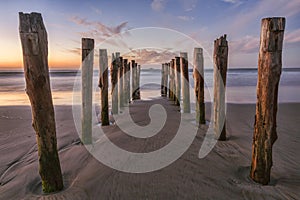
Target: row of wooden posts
(120,85)
(175,80)
(176,71)
(35,57)
(269,71)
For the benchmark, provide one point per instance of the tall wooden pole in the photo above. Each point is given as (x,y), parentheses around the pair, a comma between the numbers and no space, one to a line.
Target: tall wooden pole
(220,72)
(169,74)
(128,82)
(269,71)
(120,82)
(133,85)
(138,82)
(87,89)
(114,83)
(166,79)
(163,71)
(177,81)
(103,84)
(185,82)
(35,57)
(125,82)
(172,77)
(198,73)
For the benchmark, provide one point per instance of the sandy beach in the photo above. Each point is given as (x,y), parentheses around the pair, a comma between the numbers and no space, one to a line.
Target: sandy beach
(223,174)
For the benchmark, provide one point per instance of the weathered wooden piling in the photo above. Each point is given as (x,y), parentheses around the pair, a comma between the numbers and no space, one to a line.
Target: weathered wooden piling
(177,81)
(128,83)
(198,74)
(162,88)
(103,84)
(87,89)
(164,80)
(269,71)
(220,72)
(114,83)
(185,82)
(120,82)
(35,57)
(134,83)
(125,82)
(170,80)
(138,92)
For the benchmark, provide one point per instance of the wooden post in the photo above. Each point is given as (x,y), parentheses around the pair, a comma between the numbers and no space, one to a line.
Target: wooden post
(177,81)
(125,82)
(87,89)
(185,82)
(133,85)
(114,82)
(128,83)
(163,71)
(269,71)
(138,93)
(166,79)
(120,82)
(220,72)
(170,81)
(103,84)
(35,57)
(198,73)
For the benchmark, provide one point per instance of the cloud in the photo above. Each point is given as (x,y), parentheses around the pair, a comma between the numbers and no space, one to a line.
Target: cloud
(158,5)
(76,51)
(247,44)
(100,31)
(234,3)
(185,18)
(99,28)
(150,56)
(97,10)
(231,1)
(188,5)
(287,8)
(292,37)
(250,44)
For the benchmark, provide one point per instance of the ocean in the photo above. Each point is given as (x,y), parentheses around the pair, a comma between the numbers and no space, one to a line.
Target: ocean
(240,88)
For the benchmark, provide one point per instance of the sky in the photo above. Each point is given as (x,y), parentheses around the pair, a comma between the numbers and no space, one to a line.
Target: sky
(151,31)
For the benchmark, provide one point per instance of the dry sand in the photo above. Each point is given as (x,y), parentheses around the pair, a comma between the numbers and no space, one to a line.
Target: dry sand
(223,174)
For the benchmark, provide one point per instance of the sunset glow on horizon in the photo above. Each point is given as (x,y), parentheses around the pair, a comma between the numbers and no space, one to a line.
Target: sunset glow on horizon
(202,21)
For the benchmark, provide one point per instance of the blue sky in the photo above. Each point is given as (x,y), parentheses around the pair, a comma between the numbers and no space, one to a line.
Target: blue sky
(202,20)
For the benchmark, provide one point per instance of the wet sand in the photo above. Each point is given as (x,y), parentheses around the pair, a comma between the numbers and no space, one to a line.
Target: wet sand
(222,174)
